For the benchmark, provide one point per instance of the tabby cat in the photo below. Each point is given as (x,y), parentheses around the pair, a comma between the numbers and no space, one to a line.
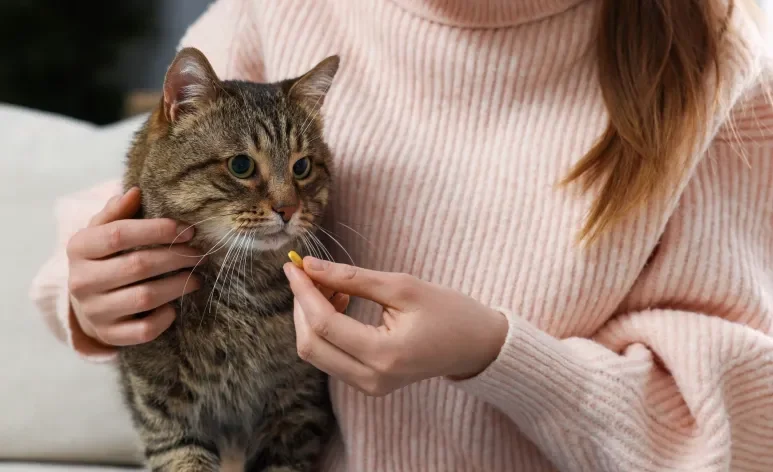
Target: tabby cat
(223,388)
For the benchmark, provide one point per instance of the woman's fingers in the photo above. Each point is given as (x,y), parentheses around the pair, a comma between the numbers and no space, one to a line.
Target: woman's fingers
(384,288)
(137,331)
(326,292)
(356,339)
(328,358)
(138,298)
(340,302)
(126,269)
(110,238)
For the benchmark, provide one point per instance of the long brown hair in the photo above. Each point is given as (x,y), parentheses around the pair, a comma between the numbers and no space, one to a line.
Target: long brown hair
(655,60)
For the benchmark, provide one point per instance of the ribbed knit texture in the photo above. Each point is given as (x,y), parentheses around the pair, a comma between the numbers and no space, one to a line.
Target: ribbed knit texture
(650,351)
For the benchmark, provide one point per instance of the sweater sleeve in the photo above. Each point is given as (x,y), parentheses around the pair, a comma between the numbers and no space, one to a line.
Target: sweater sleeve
(681,378)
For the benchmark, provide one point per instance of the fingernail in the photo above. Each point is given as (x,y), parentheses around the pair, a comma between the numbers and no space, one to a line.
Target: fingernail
(184,232)
(314,264)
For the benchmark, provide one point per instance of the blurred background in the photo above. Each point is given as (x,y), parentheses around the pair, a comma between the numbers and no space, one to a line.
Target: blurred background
(99,62)
(93,60)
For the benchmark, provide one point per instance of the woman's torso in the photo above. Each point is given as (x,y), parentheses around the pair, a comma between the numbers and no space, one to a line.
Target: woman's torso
(448,145)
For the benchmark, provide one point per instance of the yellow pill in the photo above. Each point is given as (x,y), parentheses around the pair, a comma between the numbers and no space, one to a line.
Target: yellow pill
(296,259)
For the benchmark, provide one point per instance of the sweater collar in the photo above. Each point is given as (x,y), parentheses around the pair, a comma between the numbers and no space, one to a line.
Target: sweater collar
(486,13)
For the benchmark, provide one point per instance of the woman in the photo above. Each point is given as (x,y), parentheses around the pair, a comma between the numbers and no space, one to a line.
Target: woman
(622,321)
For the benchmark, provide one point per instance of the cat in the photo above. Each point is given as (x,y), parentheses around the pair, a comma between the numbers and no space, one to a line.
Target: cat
(223,388)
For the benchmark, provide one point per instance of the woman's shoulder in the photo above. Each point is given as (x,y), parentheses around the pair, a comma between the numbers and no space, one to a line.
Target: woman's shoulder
(750,120)
(745,97)
(745,51)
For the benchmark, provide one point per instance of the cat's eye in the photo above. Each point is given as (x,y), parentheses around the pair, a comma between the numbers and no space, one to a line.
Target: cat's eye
(241,166)
(302,168)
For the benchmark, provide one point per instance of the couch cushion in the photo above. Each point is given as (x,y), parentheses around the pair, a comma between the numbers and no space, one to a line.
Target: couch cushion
(60,467)
(53,405)
(54,467)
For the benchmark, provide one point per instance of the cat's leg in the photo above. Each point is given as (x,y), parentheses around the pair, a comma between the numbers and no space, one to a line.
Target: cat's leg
(295,439)
(169,444)
(166,452)
(169,454)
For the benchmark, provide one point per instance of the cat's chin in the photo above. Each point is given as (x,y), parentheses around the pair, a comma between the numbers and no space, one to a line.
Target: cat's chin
(270,243)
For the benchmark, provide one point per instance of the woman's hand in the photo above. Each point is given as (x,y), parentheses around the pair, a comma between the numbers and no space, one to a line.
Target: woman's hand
(427,330)
(106,289)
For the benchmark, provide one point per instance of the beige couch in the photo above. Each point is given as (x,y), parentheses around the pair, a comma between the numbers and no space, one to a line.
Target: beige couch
(56,411)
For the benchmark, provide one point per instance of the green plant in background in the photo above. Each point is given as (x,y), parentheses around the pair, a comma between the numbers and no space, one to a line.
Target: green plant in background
(61,56)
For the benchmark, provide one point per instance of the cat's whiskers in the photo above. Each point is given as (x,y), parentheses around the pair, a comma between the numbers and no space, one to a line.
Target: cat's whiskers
(233,271)
(248,255)
(355,232)
(229,242)
(242,273)
(315,238)
(194,224)
(214,285)
(323,250)
(201,258)
(228,279)
(252,264)
(213,250)
(309,248)
(247,252)
(312,251)
(238,272)
(189,227)
(334,240)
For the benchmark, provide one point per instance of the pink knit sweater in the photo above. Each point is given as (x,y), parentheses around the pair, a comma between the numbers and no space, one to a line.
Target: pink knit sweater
(450,122)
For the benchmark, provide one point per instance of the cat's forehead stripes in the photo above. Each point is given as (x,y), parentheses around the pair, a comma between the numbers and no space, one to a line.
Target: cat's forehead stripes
(288,131)
(276,131)
(263,137)
(262,162)
(296,136)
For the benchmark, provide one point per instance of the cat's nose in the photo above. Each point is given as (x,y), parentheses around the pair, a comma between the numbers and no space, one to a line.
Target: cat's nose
(285,211)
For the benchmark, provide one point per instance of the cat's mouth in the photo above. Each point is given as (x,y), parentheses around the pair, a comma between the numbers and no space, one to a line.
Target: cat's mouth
(259,236)
(266,230)
(271,242)
(268,238)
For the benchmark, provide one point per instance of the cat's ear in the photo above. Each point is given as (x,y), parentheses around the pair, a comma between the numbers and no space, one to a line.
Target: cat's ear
(310,89)
(190,84)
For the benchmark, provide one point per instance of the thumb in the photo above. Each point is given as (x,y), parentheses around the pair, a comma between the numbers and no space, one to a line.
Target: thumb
(351,280)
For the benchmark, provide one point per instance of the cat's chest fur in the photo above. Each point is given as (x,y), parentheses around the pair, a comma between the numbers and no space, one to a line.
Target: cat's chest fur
(229,360)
